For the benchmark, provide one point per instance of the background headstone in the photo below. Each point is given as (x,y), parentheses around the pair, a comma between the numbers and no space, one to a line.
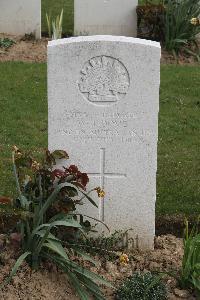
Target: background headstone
(19,17)
(103,94)
(116,17)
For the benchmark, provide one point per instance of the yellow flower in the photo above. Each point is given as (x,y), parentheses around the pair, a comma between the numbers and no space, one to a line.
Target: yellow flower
(100,192)
(124,259)
(195,21)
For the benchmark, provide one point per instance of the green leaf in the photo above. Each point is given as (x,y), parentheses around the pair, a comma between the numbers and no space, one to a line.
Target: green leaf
(99,221)
(61,216)
(24,201)
(72,276)
(60,154)
(18,263)
(88,274)
(71,223)
(68,223)
(92,287)
(51,199)
(56,247)
(84,256)
(41,233)
(79,289)
(89,198)
(70,191)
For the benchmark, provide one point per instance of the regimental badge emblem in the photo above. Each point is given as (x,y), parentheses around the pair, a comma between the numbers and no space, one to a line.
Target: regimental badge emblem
(104,80)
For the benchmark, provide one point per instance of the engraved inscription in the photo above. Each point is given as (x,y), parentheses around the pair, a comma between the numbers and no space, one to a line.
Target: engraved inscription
(104,80)
(112,126)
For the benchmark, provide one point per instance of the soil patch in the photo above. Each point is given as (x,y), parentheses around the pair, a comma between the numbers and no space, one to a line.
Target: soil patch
(25,50)
(50,284)
(35,51)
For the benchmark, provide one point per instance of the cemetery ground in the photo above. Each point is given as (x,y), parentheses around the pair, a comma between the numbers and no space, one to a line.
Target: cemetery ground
(24,123)
(24,117)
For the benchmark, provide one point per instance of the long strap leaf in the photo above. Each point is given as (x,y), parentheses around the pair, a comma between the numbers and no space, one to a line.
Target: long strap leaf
(76,283)
(72,277)
(99,221)
(92,287)
(56,247)
(52,198)
(18,263)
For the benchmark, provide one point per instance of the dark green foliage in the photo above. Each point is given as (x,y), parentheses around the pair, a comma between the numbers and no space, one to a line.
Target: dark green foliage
(170,23)
(190,271)
(180,34)
(142,287)
(46,201)
(6,43)
(106,246)
(151,21)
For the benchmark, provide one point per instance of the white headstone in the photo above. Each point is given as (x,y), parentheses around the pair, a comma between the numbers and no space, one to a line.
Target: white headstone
(116,17)
(19,17)
(103,94)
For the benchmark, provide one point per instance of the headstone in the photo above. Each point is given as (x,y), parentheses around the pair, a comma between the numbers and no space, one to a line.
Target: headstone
(103,94)
(19,17)
(116,17)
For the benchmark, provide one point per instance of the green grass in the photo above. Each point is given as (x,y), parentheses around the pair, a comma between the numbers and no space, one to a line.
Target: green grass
(23,114)
(179,141)
(54,8)
(23,118)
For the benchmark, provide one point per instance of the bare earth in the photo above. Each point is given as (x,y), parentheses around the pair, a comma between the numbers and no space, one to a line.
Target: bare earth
(35,51)
(27,51)
(50,284)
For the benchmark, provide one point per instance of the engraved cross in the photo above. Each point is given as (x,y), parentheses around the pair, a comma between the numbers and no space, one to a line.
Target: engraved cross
(102,175)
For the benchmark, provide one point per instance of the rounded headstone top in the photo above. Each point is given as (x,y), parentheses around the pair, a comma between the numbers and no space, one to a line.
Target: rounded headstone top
(104,38)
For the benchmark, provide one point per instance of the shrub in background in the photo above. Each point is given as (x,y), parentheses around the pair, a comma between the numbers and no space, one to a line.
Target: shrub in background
(142,287)
(47,199)
(180,33)
(6,43)
(175,23)
(151,21)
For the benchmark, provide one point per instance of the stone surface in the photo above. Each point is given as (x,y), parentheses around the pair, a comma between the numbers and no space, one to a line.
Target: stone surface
(19,17)
(116,17)
(103,94)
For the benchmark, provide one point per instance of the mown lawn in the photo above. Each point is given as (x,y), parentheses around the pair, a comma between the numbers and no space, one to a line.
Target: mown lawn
(23,115)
